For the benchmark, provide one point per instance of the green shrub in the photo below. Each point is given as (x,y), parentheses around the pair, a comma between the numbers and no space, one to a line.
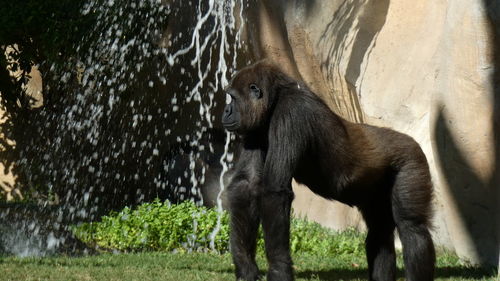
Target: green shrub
(184,227)
(157,226)
(312,238)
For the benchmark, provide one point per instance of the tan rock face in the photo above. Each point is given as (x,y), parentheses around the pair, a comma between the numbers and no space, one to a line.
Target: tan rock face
(424,68)
(7,177)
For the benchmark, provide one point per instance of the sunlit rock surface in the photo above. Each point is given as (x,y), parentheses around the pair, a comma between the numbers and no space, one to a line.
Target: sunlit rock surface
(424,68)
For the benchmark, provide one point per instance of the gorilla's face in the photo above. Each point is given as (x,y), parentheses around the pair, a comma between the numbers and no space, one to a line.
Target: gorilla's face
(231,118)
(246,101)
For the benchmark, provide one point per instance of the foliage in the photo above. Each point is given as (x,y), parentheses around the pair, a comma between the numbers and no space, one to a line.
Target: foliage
(166,227)
(37,32)
(312,238)
(157,226)
(56,35)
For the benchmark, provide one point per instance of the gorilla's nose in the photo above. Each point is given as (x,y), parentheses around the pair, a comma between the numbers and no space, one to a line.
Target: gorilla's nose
(228,110)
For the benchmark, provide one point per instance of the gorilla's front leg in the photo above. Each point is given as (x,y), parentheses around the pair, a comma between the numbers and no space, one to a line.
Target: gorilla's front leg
(275,214)
(244,228)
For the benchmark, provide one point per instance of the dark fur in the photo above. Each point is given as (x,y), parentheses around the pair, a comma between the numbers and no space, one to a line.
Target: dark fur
(288,132)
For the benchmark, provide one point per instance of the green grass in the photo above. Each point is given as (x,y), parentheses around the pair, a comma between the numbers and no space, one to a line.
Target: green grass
(151,232)
(203,266)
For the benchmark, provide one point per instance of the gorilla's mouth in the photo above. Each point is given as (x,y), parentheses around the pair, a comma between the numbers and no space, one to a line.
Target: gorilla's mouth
(230,126)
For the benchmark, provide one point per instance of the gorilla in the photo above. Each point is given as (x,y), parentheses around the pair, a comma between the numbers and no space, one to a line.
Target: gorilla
(287,132)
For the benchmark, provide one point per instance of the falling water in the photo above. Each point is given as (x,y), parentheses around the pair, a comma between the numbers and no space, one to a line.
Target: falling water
(134,118)
(226,157)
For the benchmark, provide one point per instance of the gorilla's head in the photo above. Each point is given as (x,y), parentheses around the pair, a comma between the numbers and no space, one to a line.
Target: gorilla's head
(250,97)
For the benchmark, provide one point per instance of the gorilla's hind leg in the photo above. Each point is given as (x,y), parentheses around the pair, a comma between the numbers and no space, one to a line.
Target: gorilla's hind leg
(380,250)
(412,195)
(418,251)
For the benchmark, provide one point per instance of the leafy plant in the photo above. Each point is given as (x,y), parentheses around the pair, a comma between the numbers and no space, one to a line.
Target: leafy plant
(184,227)
(312,238)
(36,32)
(157,226)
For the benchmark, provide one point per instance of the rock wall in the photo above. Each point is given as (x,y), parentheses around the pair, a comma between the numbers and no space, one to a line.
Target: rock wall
(8,178)
(426,68)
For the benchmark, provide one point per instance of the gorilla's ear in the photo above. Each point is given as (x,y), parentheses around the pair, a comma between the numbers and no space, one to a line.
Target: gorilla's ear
(271,79)
(255,91)
(276,79)
(268,81)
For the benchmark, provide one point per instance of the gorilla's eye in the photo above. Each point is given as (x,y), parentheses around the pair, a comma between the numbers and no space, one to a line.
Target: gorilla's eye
(255,91)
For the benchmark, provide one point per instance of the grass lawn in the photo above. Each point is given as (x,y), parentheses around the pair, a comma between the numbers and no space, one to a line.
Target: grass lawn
(198,266)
